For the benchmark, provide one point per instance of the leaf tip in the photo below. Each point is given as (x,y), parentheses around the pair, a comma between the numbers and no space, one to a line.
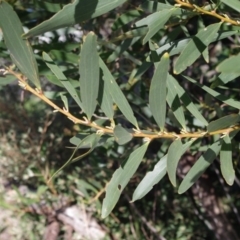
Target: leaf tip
(166,55)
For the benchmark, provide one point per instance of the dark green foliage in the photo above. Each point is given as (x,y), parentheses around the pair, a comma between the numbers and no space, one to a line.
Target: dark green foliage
(135,117)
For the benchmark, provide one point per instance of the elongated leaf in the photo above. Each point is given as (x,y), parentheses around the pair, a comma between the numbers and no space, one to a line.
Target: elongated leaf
(175,47)
(187,100)
(7,79)
(158,92)
(152,6)
(120,179)
(90,140)
(121,135)
(76,12)
(155,22)
(65,101)
(195,47)
(122,48)
(176,150)
(205,55)
(151,178)
(229,101)
(117,95)
(89,74)
(226,163)
(200,166)
(224,78)
(229,65)
(47,6)
(223,122)
(104,96)
(174,155)
(62,78)
(54,80)
(125,18)
(68,57)
(232,4)
(20,49)
(175,104)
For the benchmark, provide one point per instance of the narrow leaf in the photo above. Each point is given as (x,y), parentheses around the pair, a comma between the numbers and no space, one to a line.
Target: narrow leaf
(224,78)
(223,122)
(232,4)
(104,96)
(89,74)
(158,91)
(62,78)
(226,163)
(90,140)
(151,178)
(120,49)
(175,151)
(76,12)
(195,47)
(229,65)
(121,178)
(117,95)
(177,46)
(155,22)
(229,101)
(65,101)
(187,100)
(20,49)
(199,167)
(175,104)
(122,135)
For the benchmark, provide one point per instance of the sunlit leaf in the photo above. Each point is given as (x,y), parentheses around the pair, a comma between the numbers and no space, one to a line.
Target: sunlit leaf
(120,49)
(205,55)
(54,80)
(175,151)
(151,178)
(175,104)
(232,4)
(195,47)
(76,12)
(89,74)
(120,179)
(187,102)
(155,22)
(91,141)
(229,65)
(229,101)
(122,135)
(20,50)
(224,78)
(62,78)
(117,95)
(226,163)
(200,166)
(104,96)
(223,122)
(158,92)
(177,46)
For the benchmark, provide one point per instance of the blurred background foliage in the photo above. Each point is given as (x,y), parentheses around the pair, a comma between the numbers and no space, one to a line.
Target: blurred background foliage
(35,141)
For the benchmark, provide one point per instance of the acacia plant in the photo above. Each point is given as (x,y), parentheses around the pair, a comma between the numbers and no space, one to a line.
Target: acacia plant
(140,70)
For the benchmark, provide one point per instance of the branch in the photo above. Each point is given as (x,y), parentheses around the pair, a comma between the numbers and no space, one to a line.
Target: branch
(223,17)
(110,130)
